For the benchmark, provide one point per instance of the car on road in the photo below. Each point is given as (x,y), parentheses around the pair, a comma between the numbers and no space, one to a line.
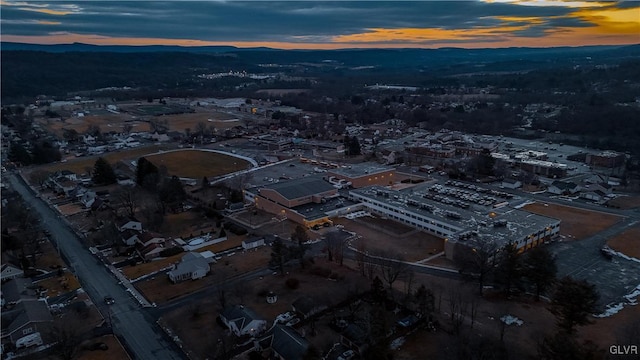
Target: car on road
(109,300)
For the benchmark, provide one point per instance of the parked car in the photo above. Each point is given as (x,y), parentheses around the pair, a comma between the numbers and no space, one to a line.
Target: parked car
(283,318)
(347,355)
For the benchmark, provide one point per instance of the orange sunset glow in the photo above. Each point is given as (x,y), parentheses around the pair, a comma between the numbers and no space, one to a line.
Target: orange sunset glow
(578,23)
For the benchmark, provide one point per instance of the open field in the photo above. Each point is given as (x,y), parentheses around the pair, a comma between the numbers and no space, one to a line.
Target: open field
(197,164)
(625,202)
(382,235)
(181,122)
(107,123)
(79,165)
(576,223)
(627,242)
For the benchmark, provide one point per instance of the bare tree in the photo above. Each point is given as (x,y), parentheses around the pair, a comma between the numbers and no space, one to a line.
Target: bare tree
(40,177)
(392,267)
(478,261)
(67,338)
(128,198)
(335,246)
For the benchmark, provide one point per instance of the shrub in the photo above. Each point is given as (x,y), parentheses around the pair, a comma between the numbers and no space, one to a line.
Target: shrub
(292,283)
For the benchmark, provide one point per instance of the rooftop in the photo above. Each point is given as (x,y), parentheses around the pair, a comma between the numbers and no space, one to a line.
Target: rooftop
(356,170)
(463,209)
(297,188)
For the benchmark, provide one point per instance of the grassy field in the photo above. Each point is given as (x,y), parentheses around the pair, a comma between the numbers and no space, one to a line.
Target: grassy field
(79,165)
(106,122)
(197,164)
(625,202)
(109,122)
(576,223)
(627,242)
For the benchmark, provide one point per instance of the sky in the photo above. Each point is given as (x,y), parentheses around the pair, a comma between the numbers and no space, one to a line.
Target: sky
(324,25)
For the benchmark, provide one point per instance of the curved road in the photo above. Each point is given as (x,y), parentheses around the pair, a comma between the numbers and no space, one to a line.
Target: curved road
(143,337)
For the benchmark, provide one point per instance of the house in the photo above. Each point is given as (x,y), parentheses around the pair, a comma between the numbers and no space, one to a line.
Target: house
(252,243)
(160,137)
(130,237)
(88,198)
(27,317)
(355,337)
(306,307)
(150,251)
(511,184)
(594,195)
(10,272)
(243,321)
(88,139)
(563,187)
(192,266)
(285,343)
(129,223)
(17,290)
(147,238)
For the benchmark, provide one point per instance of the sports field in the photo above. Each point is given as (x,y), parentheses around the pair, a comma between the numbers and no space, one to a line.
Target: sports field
(110,122)
(197,164)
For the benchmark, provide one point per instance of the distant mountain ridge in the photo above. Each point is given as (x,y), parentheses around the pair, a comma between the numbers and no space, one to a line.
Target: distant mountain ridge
(81,47)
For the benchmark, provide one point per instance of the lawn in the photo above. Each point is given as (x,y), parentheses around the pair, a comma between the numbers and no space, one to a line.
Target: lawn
(160,289)
(115,350)
(59,285)
(625,202)
(196,164)
(576,223)
(136,271)
(627,242)
(383,235)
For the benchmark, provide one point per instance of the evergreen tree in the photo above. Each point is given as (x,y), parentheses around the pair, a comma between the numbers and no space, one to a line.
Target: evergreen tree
(509,269)
(18,154)
(573,302)
(147,174)
(540,268)
(103,173)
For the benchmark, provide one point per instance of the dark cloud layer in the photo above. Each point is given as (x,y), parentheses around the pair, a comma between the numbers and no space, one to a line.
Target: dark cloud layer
(267,21)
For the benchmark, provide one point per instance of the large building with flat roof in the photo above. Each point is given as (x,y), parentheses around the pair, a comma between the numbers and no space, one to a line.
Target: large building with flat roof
(301,200)
(365,174)
(459,215)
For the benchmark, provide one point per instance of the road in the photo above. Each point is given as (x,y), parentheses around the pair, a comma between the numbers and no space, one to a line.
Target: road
(143,337)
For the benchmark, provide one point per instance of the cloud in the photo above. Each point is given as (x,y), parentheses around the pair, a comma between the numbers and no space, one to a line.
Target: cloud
(315,24)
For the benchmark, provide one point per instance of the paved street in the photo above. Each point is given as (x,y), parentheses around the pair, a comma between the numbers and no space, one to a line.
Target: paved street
(132,323)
